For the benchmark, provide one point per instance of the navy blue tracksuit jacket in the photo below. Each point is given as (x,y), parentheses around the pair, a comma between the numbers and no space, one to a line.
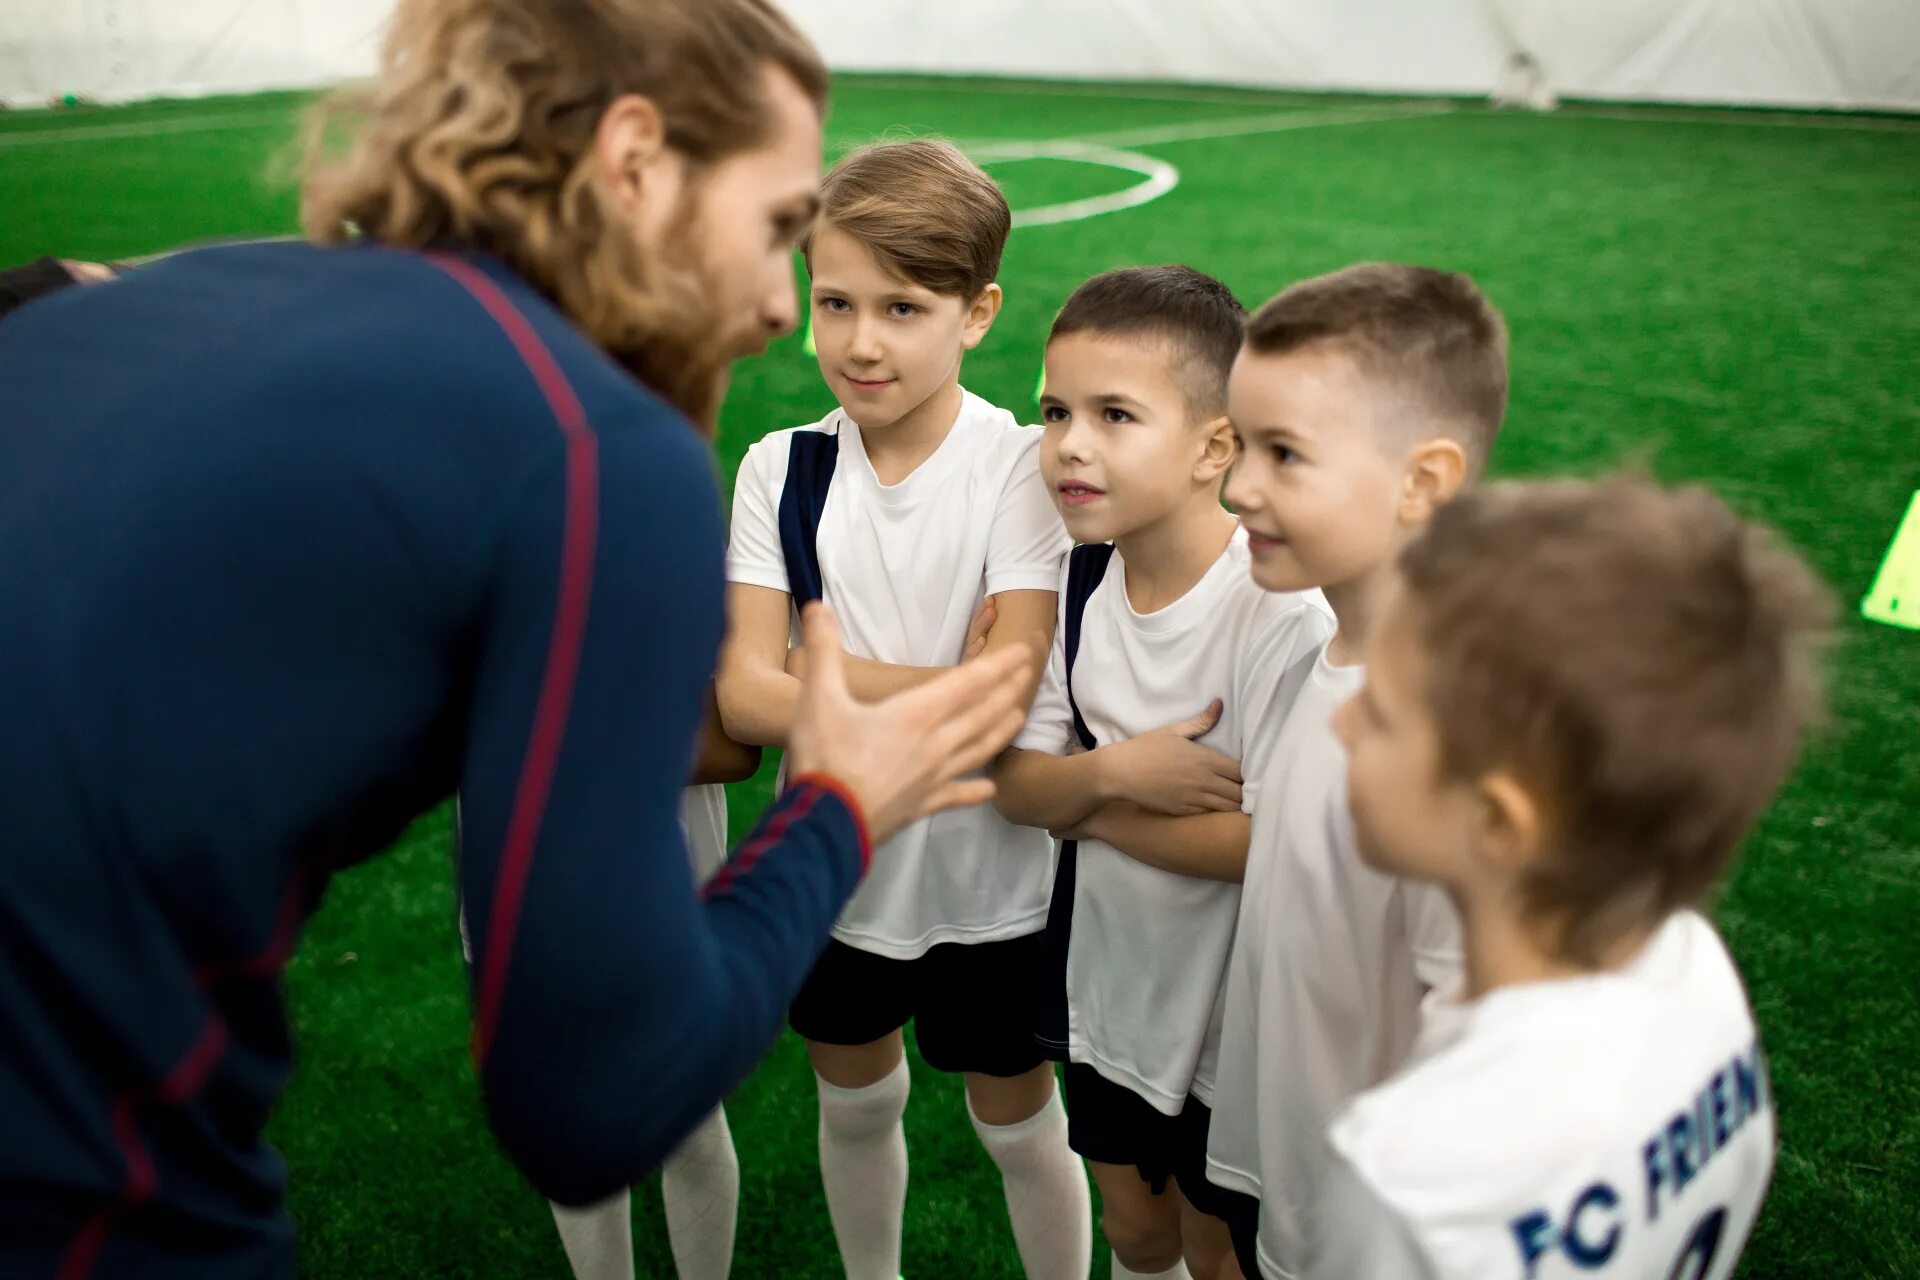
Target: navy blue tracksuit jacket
(294,543)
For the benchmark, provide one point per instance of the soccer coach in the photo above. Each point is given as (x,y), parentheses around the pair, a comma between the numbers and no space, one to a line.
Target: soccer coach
(296,540)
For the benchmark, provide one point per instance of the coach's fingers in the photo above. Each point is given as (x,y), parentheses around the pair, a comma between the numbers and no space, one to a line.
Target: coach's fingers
(989,739)
(972,741)
(958,795)
(825,658)
(981,687)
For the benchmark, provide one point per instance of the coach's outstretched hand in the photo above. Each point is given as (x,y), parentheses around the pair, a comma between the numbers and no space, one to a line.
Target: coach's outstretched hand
(908,756)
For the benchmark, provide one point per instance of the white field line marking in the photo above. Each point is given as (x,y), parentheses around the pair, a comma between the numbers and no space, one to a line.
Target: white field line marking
(1159,176)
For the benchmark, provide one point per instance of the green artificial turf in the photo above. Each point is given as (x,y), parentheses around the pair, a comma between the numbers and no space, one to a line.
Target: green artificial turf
(1723,297)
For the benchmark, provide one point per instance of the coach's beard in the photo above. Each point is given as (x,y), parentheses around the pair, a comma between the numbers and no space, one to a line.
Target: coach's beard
(688,355)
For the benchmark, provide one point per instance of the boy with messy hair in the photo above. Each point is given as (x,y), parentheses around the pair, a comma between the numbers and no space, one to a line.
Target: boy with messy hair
(917,511)
(1364,400)
(1592,1099)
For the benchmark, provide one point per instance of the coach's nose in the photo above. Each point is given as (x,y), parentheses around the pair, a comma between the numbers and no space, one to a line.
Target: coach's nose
(780,308)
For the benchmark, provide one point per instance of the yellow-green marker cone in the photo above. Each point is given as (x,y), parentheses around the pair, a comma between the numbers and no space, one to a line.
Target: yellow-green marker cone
(1895,598)
(808,345)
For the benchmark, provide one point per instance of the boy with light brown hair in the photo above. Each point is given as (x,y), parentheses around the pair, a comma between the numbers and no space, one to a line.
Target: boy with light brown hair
(1363,400)
(1578,702)
(917,510)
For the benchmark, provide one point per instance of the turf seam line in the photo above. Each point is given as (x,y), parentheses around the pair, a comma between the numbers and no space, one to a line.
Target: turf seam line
(1092,91)
(147,129)
(1734,118)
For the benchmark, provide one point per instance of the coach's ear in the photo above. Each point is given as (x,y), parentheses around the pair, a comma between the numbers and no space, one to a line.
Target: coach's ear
(634,165)
(981,313)
(1217,452)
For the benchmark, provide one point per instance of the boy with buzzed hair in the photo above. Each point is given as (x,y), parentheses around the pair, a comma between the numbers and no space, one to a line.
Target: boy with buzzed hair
(1592,1100)
(1167,661)
(917,511)
(1363,401)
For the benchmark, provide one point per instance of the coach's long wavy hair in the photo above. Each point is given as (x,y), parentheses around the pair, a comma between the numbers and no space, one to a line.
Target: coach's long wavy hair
(480,127)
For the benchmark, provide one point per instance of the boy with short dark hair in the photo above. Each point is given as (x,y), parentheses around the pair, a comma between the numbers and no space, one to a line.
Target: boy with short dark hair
(1593,1099)
(1160,622)
(917,511)
(1363,400)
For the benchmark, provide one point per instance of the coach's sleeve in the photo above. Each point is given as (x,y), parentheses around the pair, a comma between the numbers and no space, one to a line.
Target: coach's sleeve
(1027,544)
(614,1005)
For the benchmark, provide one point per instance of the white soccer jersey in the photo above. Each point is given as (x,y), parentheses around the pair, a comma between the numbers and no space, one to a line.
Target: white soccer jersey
(1329,965)
(1618,1126)
(703,816)
(905,567)
(1148,948)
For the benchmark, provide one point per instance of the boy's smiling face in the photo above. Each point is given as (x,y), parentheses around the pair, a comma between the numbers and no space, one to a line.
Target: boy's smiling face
(1122,447)
(887,345)
(1316,483)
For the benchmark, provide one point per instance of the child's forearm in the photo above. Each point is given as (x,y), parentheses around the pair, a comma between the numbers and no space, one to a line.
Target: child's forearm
(1034,789)
(1209,846)
(870,679)
(718,757)
(757,707)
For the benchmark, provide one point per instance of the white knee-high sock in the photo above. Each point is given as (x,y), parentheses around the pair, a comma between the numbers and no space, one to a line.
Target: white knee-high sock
(863,1164)
(1046,1186)
(700,1186)
(599,1238)
(1178,1271)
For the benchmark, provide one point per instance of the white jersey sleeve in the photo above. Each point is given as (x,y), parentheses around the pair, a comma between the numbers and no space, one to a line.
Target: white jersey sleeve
(1028,541)
(753,549)
(1357,1236)
(1049,726)
(1269,676)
